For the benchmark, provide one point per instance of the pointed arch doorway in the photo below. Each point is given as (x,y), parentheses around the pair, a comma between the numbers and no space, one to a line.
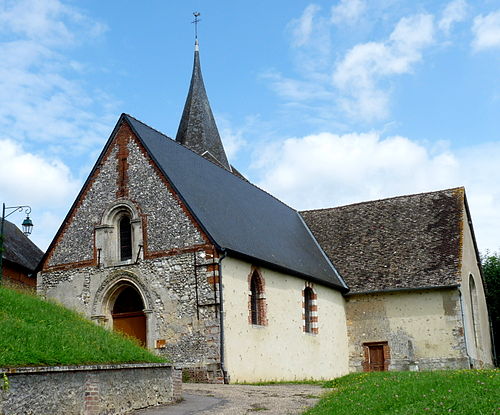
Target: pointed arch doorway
(128,314)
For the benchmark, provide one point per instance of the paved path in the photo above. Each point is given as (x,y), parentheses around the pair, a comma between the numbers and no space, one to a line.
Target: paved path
(204,399)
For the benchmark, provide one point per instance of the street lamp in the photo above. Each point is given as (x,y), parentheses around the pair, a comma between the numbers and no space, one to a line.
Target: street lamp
(27,226)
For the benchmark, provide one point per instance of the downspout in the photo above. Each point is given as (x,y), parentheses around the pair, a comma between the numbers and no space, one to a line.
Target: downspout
(496,362)
(463,324)
(221,320)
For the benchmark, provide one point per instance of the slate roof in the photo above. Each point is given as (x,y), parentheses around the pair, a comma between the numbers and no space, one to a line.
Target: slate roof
(398,243)
(197,128)
(238,216)
(19,249)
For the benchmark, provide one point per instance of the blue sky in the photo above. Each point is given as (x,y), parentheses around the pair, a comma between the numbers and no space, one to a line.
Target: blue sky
(321,103)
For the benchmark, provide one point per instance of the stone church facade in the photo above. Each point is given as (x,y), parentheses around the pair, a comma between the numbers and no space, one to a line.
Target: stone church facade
(169,244)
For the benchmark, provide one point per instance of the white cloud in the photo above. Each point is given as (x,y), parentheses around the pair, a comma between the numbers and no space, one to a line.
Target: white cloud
(46,107)
(347,11)
(27,175)
(44,100)
(480,175)
(302,27)
(232,138)
(486,30)
(46,21)
(363,66)
(327,170)
(297,90)
(454,12)
(47,185)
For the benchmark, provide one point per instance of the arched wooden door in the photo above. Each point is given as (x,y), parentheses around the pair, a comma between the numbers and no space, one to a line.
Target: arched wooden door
(128,314)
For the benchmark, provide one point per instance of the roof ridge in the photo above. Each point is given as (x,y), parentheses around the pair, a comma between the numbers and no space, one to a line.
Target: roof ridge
(175,142)
(459,188)
(210,161)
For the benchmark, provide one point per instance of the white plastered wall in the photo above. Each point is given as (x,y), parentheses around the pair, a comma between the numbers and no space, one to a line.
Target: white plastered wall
(478,341)
(281,350)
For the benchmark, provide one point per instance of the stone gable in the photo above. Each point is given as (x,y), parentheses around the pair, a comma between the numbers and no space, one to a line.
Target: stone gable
(125,172)
(75,241)
(169,224)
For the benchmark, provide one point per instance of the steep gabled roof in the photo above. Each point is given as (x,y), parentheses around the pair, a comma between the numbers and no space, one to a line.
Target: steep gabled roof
(197,128)
(403,242)
(19,249)
(238,216)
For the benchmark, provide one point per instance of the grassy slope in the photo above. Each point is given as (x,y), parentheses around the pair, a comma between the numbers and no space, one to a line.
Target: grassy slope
(465,392)
(37,332)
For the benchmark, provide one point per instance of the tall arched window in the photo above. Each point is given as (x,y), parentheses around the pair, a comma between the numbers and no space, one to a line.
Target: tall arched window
(257,300)
(309,309)
(125,238)
(308,305)
(474,309)
(119,236)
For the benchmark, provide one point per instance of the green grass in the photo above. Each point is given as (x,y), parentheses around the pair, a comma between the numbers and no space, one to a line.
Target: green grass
(468,392)
(283,382)
(37,332)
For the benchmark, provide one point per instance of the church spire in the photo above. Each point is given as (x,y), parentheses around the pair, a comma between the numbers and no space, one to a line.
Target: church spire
(197,129)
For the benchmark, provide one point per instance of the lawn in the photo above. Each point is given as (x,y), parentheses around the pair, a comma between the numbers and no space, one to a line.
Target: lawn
(467,392)
(34,332)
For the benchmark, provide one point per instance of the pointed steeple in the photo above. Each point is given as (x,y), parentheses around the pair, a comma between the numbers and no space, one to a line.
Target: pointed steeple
(197,129)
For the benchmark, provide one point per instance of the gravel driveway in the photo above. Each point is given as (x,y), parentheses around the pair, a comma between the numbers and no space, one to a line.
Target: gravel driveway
(205,399)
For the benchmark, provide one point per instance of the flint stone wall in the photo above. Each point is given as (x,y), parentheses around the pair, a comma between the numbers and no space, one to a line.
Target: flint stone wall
(89,390)
(168,226)
(173,299)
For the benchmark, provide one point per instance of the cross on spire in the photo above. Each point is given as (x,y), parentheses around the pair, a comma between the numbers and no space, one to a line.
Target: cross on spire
(196,21)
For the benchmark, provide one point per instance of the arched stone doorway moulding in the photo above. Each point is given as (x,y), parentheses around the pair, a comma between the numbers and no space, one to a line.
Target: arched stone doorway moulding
(107,294)
(107,234)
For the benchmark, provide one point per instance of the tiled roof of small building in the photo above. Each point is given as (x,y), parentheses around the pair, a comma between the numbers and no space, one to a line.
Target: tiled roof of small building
(403,242)
(19,249)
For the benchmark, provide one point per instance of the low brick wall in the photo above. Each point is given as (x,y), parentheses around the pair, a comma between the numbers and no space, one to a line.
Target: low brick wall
(88,390)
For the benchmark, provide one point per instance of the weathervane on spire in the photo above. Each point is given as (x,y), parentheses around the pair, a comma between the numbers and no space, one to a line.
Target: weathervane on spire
(195,21)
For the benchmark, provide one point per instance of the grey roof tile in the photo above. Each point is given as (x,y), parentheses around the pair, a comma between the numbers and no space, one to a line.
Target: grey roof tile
(19,249)
(402,242)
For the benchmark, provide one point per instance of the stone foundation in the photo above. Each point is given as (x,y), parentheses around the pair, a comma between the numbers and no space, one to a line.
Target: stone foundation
(88,390)
(203,374)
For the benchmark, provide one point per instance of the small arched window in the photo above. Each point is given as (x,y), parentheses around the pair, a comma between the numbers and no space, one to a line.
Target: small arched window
(257,300)
(125,238)
(308,306)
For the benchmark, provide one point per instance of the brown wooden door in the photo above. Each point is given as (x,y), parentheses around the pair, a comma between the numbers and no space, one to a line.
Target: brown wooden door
(376,355)
(132,324)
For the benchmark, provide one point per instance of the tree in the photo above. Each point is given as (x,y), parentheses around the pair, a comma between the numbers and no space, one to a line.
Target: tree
(491,274)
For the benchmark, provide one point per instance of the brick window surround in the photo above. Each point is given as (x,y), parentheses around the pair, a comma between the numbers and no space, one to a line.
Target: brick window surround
(309,309)
(256,299)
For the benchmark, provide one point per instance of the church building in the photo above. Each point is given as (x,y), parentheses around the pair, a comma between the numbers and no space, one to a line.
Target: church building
(170,244)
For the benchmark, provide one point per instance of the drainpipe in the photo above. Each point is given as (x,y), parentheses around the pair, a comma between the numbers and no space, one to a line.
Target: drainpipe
(221,319)
(463,324)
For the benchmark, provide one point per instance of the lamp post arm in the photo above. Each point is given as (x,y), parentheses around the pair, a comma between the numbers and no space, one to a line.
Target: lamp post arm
(27,210)
(1,243)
